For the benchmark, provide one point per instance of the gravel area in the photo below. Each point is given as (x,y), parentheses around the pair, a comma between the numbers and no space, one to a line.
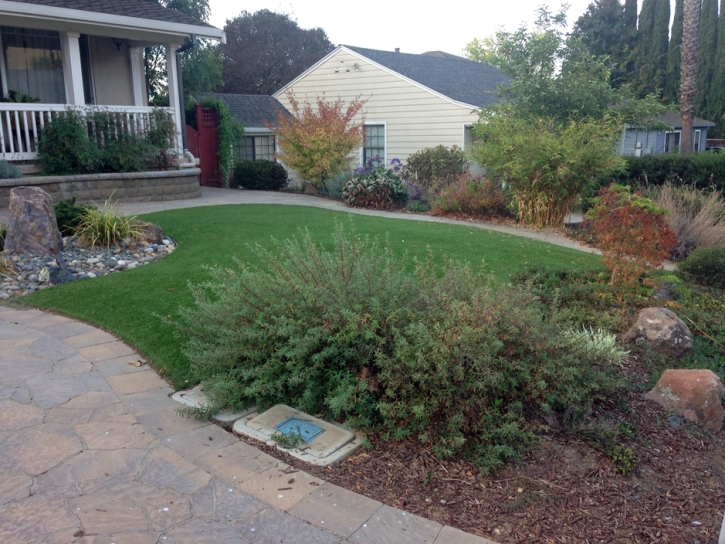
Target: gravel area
(76,262)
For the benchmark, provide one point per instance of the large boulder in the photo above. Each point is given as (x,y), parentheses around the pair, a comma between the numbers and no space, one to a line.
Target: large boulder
(33,229)
(663,330)
(693,394)
(152,233)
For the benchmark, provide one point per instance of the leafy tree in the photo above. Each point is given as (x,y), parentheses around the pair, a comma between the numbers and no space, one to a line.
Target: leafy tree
(688,87)
(201,68)
(671,89)
(485,50)
(603,30)
(318,142)
(266,50)
(547,164)
(706,51)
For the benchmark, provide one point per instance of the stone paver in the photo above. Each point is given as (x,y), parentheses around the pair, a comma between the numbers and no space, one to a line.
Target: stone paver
(92,451)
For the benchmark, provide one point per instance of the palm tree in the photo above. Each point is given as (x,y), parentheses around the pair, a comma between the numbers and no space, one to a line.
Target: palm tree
(688,88)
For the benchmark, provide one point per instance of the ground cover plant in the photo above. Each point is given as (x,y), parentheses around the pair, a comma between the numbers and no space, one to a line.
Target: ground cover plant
(216,235)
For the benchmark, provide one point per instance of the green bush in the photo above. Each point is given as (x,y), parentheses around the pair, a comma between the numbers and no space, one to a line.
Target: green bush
(64,147)
(260,175)
(68,215)
(706,266)
(434,167)
(455,362)
(375,186)
(3,234)
(9,171)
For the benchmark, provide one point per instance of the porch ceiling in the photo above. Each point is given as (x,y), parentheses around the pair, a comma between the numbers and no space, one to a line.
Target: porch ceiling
(142,30)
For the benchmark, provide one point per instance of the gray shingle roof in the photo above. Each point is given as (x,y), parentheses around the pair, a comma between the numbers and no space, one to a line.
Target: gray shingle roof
(254,110)
(674,119)
(457,78)
(143,9)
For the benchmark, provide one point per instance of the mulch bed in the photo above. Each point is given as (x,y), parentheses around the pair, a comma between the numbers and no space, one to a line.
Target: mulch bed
(565,490)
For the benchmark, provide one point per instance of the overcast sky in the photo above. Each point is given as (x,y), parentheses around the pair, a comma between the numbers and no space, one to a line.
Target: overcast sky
(415,27)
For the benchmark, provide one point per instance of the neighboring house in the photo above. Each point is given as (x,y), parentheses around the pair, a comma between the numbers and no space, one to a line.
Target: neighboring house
(640,142)
(78,53)
(413,101)
(257,112)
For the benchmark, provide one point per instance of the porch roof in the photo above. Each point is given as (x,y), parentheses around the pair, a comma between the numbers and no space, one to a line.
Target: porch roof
(133,19)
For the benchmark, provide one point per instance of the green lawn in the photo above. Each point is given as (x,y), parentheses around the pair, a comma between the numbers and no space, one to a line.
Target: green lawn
(129,303)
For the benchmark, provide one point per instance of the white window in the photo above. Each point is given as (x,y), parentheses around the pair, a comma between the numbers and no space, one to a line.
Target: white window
(374,143)
(672,141)
(696,140)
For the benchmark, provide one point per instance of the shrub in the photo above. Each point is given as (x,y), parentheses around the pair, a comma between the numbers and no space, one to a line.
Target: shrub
(696,216)
(3,234)
(631,231)
(68,215)
(475,196)
(335,185)
(706,266)
(261,175)
(318,142)
(9,171)
(105,227)
(64,147)
(702,170)
(455,362)
(433,168)
(375,186)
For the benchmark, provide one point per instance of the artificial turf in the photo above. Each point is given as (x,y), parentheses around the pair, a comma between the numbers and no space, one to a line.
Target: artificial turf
(130,304)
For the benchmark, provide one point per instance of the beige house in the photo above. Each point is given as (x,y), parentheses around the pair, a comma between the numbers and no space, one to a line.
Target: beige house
(413,101)
(84,54)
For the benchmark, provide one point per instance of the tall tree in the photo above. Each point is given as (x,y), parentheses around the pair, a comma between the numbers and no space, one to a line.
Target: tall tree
(603,30)
(718,80)
(674,56)
(266,50)
(688,87)
(630,14)
(706,60)
(652,42)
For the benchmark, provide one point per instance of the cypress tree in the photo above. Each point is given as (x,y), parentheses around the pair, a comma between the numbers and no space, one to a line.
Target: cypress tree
(630,14)
(674,56)
(660,42)
(706,60)
(643,66)
(717,85)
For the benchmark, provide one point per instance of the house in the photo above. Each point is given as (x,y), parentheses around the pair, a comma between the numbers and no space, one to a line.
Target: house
(640,142)
(413,101)
(84,53)
(257,113)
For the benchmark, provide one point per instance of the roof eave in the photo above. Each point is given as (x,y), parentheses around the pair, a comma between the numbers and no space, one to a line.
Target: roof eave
(93,18)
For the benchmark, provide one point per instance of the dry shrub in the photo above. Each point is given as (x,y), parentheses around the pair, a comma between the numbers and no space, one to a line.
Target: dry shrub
(474,196)
(697,216)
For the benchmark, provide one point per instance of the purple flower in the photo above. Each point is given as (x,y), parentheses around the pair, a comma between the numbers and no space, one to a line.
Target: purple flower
(414,192)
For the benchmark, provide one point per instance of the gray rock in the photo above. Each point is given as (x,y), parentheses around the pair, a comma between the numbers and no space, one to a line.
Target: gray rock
(661,329)
(33,229)
(59,276)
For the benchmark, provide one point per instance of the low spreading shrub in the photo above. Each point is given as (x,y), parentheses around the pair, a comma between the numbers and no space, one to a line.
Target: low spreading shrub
(455,362)
(335,185)
(474,196)
(433,168)
(68,215)
(706,266)
(105,227)
(631,231)
(260,175)
(9,171)
(375,186)
(697,216)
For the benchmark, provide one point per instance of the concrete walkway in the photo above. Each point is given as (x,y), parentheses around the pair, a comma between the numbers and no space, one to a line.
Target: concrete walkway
(93,451)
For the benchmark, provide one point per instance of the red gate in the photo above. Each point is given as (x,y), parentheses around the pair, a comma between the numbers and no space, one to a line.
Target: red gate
(204,143)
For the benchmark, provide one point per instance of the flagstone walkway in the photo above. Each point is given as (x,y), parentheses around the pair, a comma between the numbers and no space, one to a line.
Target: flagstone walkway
(92,450)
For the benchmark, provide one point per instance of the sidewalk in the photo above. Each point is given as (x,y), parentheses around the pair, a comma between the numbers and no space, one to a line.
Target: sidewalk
(93,451)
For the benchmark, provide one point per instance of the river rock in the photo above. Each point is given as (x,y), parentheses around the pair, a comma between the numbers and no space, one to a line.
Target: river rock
(152,234)
(663,330)
(693,394)
(33,229)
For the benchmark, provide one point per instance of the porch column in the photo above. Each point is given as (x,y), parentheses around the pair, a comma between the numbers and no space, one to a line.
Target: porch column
(137,75)
(172,75)
(72,71)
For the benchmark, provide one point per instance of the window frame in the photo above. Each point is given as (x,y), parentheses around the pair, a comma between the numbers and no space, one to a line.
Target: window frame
(244,147)
(679,140)
(696,139)
(383,124)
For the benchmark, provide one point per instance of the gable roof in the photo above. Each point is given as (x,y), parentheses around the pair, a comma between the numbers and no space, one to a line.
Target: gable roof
(254,110)
(142,9)
(462,80)
(674,119)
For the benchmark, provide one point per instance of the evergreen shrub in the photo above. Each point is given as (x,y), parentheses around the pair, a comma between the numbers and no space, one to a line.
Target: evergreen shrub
(68,215)
(9,171)
(706,267)
(455,362)
(261,175)
(433,168)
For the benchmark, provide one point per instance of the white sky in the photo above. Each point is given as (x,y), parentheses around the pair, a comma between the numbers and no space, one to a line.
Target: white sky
(415,27)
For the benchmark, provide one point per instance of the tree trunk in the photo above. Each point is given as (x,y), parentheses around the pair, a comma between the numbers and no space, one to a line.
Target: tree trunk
(690,31)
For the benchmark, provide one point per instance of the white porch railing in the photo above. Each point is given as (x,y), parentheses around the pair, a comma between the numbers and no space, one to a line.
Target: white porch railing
(21,124)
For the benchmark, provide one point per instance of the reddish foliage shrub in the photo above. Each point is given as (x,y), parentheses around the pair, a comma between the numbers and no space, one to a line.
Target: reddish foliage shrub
(631,231)
(473,195)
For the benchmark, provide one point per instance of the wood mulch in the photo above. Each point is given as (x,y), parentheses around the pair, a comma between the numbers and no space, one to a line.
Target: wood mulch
(564,491)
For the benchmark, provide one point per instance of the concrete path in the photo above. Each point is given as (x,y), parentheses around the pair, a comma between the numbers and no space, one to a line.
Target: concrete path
(93,451)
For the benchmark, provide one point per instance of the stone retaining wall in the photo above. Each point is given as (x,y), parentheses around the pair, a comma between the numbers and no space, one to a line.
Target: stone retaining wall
(129,187)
